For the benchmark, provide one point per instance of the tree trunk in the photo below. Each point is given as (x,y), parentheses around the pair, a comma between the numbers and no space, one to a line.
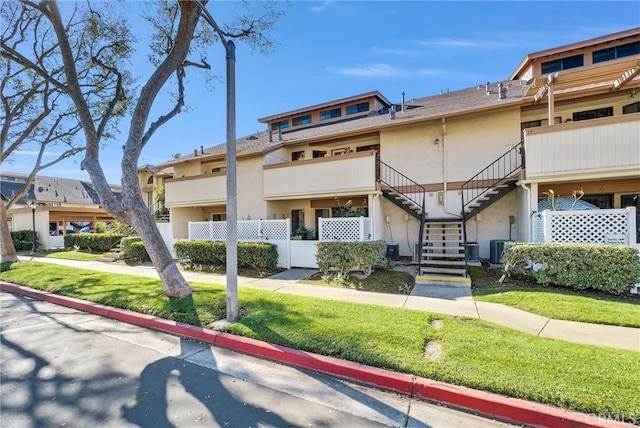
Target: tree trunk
(9,254)
(141,219)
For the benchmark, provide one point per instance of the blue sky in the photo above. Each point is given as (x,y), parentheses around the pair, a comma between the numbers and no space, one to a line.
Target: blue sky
(334,49)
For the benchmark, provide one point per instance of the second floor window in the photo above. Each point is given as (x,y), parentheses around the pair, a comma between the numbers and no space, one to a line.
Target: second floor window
(330,114)
(593,114)
(280,125)
(358,108)
(562,64)
(302,120)
(616,52)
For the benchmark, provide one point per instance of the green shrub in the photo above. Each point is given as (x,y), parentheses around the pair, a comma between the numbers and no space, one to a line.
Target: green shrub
(260,256)
(337,258)
(610,268)
(138,252)
(125,244)
(23,239)
(94,242)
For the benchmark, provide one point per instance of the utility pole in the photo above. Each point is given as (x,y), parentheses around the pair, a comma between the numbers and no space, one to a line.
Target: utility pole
(232,194)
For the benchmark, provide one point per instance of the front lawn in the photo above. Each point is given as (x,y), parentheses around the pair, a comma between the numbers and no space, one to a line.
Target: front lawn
(475,353)
(69,255)
(554,302)
(380,281)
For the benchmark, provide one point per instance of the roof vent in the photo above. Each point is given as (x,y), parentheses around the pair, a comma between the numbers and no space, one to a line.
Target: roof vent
(195,152)
(486,89)
(176,156)
(270,136)
(201,150)
(279,134)
(402,110)
(252,137)
(392,113)
(502,92)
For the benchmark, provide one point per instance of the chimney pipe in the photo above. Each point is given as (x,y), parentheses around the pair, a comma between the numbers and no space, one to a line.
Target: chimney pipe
(270,136)
(279,134)
(402,102)
(202,150)
(392,113)
(195,152)
(502,92)
(486,89)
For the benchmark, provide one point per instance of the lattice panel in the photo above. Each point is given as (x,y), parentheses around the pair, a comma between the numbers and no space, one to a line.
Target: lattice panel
(587,226)
(344,229)
(248,230)
(199,230)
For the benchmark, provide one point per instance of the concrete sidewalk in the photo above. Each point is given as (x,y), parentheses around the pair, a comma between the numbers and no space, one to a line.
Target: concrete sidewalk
(449,300)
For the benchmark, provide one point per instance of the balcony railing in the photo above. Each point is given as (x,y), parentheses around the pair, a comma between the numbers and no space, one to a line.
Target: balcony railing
(344,174)
(198,190)
(605,147)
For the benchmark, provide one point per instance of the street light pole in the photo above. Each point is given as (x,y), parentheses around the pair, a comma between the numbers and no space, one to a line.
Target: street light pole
(232,197)
(33,205)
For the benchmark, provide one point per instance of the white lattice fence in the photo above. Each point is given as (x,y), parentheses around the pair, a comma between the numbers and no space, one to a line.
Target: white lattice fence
(344,229)
(586,226)
(276,232)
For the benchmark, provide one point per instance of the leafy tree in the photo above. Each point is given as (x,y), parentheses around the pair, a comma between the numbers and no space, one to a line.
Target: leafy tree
(179,34)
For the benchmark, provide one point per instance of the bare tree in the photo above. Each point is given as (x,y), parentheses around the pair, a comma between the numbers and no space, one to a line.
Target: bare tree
(177,26)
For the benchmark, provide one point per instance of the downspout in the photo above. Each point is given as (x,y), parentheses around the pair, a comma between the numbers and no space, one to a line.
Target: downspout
(444,170)
(528,221)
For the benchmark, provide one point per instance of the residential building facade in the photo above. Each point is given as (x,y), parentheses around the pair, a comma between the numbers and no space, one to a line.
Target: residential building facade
(436,172)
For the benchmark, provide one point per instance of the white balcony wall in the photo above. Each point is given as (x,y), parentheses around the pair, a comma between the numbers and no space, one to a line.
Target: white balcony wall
(599,148)
(336,175)
(199,190)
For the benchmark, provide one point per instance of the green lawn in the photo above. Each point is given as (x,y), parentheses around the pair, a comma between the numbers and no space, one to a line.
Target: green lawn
(477,354)
(380,281)
(555,302)
(69,255)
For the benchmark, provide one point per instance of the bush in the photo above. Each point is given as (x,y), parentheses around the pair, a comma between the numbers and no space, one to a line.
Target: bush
(125,244)
(94,242)
(138,252)
(23,239)
(610,268)
(260,256)
(337,258)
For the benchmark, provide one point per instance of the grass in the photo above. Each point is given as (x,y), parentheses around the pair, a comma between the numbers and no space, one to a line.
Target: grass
(553,302)
(69,255)
(477,354)
(381,281)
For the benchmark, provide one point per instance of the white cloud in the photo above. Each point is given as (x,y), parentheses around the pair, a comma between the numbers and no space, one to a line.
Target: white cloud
(35,153)
(385,70)
(322,7)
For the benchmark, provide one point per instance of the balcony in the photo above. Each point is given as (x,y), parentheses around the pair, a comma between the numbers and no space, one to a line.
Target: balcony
(329,176)
(590,149)
(198,190)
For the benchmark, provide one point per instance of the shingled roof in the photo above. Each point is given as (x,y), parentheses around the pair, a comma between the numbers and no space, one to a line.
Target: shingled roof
(465,101)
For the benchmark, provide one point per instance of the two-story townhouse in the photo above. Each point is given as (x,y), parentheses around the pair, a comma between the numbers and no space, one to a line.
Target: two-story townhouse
(436,154)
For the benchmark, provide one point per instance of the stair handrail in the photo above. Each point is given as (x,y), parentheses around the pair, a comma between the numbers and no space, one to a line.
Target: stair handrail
(494,174)
(395,180)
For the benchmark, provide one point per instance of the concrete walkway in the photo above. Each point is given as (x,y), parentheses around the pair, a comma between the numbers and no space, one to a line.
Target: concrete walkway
(449,300)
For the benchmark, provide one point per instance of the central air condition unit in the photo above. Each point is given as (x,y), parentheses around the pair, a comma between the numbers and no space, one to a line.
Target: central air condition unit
(496,249)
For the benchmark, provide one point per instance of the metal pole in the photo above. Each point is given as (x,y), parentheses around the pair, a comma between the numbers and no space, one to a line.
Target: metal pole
(33,220)
(232,198)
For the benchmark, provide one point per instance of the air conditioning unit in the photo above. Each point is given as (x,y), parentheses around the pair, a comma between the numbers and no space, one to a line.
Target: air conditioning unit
(496,249)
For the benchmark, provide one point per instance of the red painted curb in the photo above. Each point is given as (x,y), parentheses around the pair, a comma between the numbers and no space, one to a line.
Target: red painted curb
(484,403)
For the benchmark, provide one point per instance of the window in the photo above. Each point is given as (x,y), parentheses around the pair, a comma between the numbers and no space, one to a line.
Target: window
(319,153)
(218,217)
(296,156)
(631,108)
(603,202)
(297,219)
(358,108)
(150,180)
(540,122)
(330,114)
(302,120)
(593,114)
(616,52)
(280,125)
(219,169)
(562,64)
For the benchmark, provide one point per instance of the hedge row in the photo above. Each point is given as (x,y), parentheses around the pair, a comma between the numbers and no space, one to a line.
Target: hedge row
(132,247)
(337,258)
(94,242)
(610,268)
(23,239)
(260,256)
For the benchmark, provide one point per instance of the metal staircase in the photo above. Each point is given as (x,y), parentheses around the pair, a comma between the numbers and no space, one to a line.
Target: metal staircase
(442,242)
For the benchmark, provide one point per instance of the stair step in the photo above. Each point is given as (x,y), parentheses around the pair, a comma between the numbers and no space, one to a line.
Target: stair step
(441,243)
(442,255)
(443,262)
(442,270)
